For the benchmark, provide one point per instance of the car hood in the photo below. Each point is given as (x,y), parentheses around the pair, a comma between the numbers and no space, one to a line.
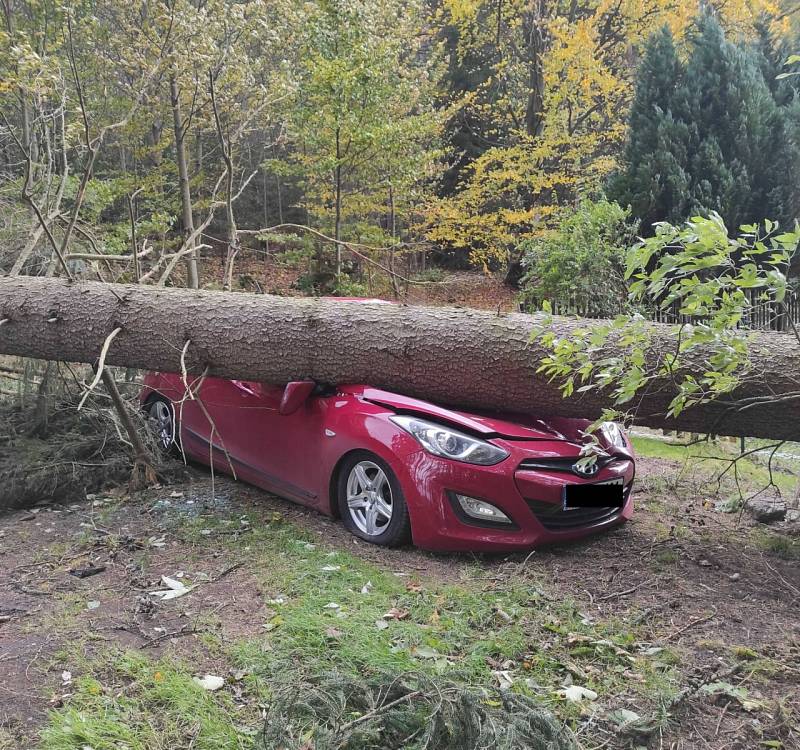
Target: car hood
(512,426)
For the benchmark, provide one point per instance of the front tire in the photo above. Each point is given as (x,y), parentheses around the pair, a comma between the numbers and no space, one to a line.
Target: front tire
(371,502)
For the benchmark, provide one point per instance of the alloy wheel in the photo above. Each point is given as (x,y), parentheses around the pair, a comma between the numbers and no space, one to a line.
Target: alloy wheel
(162,424)
(369,498)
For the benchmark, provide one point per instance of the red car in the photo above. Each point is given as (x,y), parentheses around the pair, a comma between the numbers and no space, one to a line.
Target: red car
(397,469)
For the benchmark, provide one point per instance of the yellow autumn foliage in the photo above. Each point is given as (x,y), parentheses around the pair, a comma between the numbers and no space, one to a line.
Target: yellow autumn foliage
(516,189)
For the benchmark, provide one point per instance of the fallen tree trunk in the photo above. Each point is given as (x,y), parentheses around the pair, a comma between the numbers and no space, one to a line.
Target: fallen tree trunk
(459,357)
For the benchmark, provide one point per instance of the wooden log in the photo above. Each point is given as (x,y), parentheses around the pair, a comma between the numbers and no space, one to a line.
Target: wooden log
(464,358)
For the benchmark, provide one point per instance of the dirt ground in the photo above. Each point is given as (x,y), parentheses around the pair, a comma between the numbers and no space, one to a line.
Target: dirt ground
(682,574)
(265,272)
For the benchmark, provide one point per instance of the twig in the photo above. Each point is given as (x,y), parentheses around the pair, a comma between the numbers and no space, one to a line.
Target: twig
(101,363)
(132,215)
(184,376)
(691,624)
(226,572)
(794,589)
(109,258)
(380,709)
(721,717)
(185,630)
(618,594)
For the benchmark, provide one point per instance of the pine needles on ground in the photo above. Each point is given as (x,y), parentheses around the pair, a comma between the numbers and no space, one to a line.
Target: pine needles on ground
(408,712)
(78,452)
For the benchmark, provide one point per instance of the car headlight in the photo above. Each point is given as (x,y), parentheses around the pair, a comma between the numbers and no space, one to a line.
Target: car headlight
(613,433)
(448,443)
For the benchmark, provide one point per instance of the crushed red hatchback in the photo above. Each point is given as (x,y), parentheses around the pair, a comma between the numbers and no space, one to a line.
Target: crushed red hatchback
(397,469)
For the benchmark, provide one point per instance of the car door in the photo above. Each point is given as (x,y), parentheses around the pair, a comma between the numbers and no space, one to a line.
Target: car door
(278,452)
(214,425)
(297,451)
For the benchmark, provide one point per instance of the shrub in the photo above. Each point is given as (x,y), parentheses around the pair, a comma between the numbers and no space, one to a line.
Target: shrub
(580,266)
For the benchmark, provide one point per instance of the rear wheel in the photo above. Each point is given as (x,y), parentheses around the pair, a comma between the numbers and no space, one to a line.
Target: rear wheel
(371,502)
(162,424)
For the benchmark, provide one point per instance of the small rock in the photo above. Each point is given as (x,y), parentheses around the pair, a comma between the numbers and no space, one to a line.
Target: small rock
(735,576)
(766,509)
(704,563)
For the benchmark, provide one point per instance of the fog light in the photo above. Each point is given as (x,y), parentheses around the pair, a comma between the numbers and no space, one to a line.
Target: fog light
(481,510)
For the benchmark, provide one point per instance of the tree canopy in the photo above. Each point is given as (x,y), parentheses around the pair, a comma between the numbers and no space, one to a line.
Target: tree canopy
(469,127)
(716,133)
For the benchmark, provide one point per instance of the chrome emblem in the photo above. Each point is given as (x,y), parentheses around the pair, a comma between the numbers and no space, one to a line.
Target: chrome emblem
(585,470)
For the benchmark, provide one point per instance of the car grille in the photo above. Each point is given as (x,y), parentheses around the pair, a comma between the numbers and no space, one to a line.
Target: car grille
(554,518)
(562,464)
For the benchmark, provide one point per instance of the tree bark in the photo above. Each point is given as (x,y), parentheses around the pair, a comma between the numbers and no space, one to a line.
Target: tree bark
(463,358)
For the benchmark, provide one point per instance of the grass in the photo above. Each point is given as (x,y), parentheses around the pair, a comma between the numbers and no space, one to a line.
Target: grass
(328,611)
(466,631)
(666,557)
(135,703)
(785,547)
(710,459)
(472,631)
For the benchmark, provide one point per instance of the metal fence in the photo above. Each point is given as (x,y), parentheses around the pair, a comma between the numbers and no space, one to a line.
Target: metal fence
(766,315)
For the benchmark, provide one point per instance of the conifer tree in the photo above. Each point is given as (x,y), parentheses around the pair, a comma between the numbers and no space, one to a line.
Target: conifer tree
(713,135)
(656,183)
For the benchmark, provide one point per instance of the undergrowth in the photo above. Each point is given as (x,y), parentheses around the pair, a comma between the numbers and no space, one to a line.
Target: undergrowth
(330,617)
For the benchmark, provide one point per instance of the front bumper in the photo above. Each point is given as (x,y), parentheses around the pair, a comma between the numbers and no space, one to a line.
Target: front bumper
(530,497)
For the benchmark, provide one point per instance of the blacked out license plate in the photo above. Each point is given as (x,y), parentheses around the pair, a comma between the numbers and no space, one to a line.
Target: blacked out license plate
(608,494)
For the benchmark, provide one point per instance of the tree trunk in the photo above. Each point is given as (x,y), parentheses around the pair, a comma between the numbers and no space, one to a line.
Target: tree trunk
(193,280)
(537,44)
(458,357)
(337,226)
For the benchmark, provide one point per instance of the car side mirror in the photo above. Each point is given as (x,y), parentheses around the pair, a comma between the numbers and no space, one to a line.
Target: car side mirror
(295,395)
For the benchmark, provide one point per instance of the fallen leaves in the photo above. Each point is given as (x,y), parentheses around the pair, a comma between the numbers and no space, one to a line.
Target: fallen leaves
(88,571)
(396,614)
(209,682)
(504,677)
(273,623)
(174,590)
(735,692)
(576,694)
(623,717)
